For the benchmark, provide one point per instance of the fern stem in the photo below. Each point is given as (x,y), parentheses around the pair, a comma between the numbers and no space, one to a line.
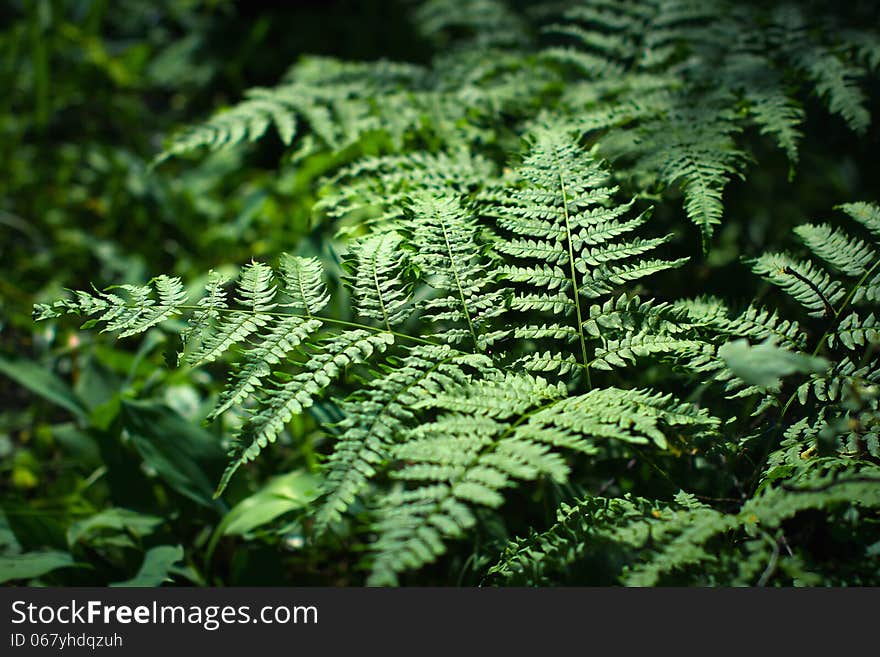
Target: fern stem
(837,314)
(329,320)
(379,290)
(577,301)
(464,307)
(853,291)
(829,309)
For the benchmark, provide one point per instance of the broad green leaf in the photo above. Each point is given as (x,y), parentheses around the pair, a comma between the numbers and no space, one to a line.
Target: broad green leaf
(115,519)
(765,364)
(282,494)
(43,382)
(186,457)
(158,562)
(32,564)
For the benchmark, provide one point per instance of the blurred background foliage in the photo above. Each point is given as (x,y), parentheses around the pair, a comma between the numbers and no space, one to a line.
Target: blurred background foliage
(106,473)
(106,469)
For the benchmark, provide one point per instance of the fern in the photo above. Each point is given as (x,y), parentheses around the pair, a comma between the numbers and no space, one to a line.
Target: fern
(492,434)
(666,88)
(333,98)
(375,416)
(138,309)
(464,270)
(825,462)
(708,60)
(278,405)
(816,288)
(566,234)
(494,295)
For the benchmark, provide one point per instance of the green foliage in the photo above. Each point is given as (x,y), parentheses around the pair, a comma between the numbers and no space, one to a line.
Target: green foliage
(664,88)
(826,463)
(503,282)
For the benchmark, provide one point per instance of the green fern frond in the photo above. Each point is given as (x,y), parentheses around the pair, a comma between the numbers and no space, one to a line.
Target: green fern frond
(209,308)
(281,339)
(834,78)
(658,542)
(332,97)
(846,254)
(806,282)
(138,309)
(256,295)
(853,331)
(543,558)
(627,350)
(376,415)
(449,257)
(379,281)
(491,434)
(469,23)
(279,404)
(814,287)
(376,190)
(304,284)
(560,223)
(698,153)
(867,214)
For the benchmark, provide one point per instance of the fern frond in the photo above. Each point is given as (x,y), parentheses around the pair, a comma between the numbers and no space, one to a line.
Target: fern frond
(444,236)
(494,433)
(657,542)
(846,254)
(777,115)
(835,83)
(256,294)
(834,77)
(376,190)
(138,309)
(607,34)
(813,286)
(472,23)
(304,284)
(379,280)
(332,97)
(247,121)
(867,214)
(543,558)
(281,339)
(456,462)
(807,283)
(695,150)
(375,417)
(209,308)
(625,351)
(565,231)
(855,332)
(279,404)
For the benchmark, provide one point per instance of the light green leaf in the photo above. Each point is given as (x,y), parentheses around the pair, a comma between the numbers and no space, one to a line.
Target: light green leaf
(32,564)
(114,519)
(158,562)
(282,494)
(765,364)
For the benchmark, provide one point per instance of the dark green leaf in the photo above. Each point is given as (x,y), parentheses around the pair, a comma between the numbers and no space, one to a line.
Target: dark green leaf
(157,564)
(43,382)
(186,457)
